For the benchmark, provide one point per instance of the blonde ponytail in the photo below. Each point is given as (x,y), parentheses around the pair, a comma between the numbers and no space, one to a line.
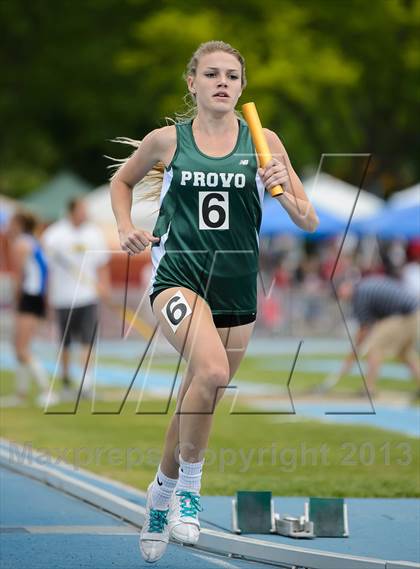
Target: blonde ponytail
(148,188)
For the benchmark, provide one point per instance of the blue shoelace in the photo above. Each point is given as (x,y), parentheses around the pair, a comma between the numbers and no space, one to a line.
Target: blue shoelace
(192,508)
(158,520)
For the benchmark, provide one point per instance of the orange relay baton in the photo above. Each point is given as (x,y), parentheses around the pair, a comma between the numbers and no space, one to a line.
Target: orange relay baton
(264,155)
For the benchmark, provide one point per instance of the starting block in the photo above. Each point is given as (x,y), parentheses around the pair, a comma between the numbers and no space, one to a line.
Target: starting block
(323,517)
(253,512)
(299,528)
(329,516)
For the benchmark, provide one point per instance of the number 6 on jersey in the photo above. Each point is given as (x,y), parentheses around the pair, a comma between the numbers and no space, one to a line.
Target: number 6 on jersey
(213,209)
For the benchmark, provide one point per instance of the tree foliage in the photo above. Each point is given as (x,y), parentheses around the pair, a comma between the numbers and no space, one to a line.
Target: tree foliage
(328,76)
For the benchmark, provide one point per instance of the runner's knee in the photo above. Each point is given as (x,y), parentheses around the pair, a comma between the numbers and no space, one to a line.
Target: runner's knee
(211,378)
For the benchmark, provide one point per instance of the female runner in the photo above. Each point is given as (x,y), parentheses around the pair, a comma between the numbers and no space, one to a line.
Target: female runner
(30,272)
(205,264)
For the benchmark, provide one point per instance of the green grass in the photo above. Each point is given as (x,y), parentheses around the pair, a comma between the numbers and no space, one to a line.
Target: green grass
(259,369)
(289,456)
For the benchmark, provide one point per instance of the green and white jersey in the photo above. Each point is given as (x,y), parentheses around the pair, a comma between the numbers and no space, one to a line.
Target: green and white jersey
(208,224)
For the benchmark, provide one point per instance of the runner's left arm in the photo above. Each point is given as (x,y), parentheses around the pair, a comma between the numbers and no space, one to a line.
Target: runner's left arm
(279,171)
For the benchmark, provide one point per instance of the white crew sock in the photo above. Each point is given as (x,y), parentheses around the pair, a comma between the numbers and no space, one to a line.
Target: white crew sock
(190,475)
(88,385)
(23,379)
(162,490)
(39,374)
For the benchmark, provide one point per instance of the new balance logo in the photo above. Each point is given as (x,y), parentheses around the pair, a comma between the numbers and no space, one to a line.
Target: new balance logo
(243,162)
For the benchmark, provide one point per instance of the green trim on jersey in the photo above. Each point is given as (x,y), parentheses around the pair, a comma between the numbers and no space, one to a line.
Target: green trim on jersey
(208,223)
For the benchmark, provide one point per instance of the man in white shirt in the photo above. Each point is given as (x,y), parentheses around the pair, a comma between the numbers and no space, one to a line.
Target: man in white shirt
(78,278)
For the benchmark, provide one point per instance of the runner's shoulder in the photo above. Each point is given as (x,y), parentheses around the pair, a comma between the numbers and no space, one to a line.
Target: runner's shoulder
(164,138)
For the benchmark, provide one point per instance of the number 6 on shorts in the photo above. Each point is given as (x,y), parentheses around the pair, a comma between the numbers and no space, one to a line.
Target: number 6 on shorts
(175,310)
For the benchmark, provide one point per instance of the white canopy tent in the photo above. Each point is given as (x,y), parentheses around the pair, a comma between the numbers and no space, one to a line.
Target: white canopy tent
(98,202)
(338,197)
(408,197)
(8,206)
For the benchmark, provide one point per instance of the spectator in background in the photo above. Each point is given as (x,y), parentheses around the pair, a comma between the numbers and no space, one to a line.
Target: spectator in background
(312,287)
(271,297)
(410,272)
(281,276)
(334,261)
(388,317)
(79,277)
(30,274)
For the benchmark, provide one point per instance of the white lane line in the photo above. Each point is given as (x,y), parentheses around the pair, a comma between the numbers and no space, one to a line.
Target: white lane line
(215,561)
(85,530)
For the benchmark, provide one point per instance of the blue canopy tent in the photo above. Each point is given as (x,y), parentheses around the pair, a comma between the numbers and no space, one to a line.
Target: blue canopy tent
(392,223)
(275,221)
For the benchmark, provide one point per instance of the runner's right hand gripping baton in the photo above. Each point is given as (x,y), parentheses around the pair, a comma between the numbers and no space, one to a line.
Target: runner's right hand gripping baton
(264,155)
